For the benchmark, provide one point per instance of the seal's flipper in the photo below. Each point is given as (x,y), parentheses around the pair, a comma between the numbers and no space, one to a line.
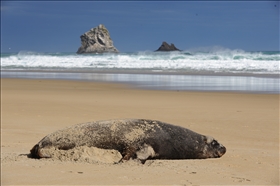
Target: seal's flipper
(130,152)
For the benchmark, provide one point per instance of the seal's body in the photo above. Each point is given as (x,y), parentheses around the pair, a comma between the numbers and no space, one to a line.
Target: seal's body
(134,138)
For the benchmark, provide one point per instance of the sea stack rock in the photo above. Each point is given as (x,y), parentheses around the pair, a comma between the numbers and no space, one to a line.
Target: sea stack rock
(97,40)
(166,47)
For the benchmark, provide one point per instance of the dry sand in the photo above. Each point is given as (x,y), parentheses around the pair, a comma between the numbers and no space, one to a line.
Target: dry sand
(247,124)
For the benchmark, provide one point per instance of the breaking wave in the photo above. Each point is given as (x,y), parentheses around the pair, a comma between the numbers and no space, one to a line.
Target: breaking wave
(201,59)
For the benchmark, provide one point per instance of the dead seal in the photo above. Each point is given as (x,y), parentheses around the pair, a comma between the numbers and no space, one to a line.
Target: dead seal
(134,138)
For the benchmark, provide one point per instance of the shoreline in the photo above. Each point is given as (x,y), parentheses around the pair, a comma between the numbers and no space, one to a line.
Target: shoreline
(151,80)
(246,124)
(148,72)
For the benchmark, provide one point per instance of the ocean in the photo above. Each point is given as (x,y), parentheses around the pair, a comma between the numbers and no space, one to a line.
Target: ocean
(199,70)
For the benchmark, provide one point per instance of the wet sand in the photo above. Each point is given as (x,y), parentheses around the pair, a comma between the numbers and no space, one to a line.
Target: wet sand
(247,124)
(160,80)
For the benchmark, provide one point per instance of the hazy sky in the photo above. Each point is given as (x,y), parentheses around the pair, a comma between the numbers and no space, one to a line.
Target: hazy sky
(138,26)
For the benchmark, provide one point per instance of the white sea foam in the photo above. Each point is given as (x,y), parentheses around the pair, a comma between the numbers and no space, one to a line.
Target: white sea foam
(202,59)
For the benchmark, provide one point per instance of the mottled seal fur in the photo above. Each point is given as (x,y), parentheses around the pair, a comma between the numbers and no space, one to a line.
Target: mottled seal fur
(134,138)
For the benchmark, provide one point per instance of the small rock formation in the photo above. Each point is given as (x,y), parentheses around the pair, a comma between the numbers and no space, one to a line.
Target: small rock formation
(97,40)
(166,47)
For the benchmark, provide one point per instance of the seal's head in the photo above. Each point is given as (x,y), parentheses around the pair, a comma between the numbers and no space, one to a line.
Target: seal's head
(34,152)
(212,148)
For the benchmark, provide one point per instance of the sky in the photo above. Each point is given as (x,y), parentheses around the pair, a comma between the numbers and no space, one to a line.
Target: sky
(56,26)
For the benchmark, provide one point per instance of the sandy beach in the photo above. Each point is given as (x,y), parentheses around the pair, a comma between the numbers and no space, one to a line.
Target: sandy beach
(246,124)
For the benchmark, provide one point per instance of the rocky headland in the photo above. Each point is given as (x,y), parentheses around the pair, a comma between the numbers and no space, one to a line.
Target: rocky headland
(97,40)
(166,47)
